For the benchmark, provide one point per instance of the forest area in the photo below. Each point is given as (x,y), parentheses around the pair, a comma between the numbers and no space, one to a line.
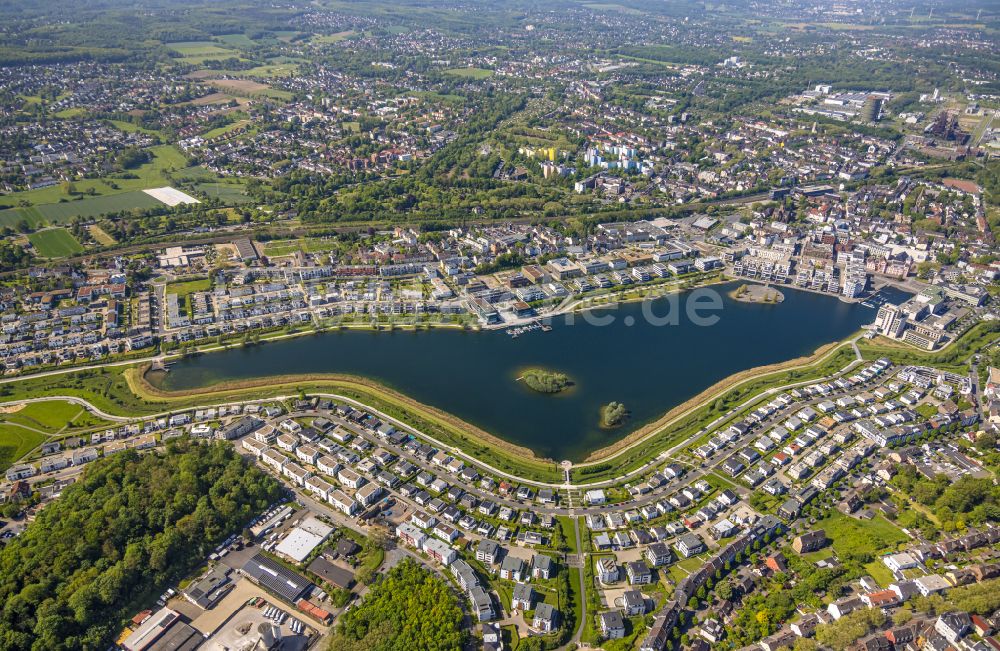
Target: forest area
(130,526)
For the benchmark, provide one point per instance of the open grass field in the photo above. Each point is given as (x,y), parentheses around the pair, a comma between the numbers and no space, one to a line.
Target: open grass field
(213,98)
(285,247)
(847,534)
(198,48)
(437,97)
(55,243)
(609,6)
(189,287)
(150,175)
(278,67)
(229,128)
(236,40)
(15,442)
(51,416)
(332,38)
(195,52)
(227,192)
(880,573)
(71,113)
(195,173)
(469,73)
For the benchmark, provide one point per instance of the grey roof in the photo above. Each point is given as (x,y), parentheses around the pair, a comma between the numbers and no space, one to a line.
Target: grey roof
(523,591)
(179,637)
(541,561)
(332,574)
(512,564)
(545,611)
(275,577)
(612,619)
(207,590)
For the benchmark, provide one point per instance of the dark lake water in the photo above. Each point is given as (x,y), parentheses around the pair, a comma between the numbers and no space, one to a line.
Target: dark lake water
(650,368)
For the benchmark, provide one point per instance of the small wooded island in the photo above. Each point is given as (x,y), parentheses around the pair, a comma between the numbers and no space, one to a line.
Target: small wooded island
(545,381)
(613,414)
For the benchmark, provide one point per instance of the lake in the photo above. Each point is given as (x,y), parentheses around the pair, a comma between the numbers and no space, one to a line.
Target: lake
(650,368)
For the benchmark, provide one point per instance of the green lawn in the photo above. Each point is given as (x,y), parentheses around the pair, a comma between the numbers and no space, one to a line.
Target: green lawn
(16,442)
(55,243)
(878,571)
(847,534)
(927,410)
(189,287)
(51,416)
(227,192)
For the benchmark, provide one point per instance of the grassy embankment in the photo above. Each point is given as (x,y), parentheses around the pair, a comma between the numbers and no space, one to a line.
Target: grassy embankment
(125,391)
(678,424)
(686,419)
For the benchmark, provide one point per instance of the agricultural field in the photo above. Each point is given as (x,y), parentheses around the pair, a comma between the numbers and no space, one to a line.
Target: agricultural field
(61,213)
(332,38)
(236,40)
(196,52)
(242,86)
(100,235)
(469,73)
(55,243)
(95,197)
(214,98)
